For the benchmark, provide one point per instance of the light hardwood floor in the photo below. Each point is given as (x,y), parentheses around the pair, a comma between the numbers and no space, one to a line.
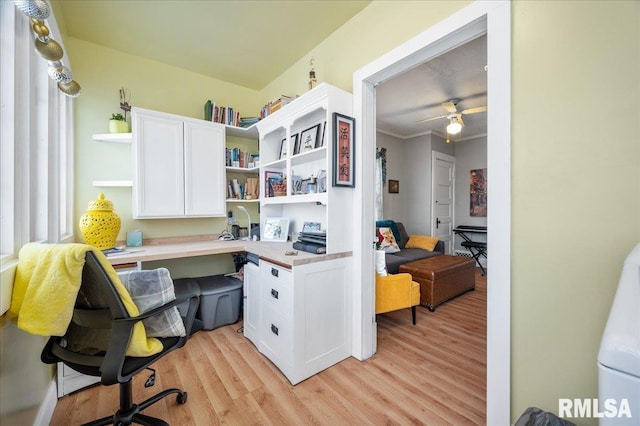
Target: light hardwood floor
(432,373)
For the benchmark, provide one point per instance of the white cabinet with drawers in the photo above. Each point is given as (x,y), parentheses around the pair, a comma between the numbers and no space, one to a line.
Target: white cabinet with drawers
(304,321)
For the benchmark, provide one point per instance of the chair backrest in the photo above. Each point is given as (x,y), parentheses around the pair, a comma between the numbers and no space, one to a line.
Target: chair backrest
(89,339)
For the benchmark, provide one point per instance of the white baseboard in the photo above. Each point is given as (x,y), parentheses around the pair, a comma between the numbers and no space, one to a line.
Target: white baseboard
(45,412)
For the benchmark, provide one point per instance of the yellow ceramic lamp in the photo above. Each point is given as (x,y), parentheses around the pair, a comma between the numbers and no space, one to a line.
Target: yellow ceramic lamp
(100,225)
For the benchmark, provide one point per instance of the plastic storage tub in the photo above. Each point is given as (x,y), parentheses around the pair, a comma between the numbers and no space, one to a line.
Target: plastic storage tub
(220,300)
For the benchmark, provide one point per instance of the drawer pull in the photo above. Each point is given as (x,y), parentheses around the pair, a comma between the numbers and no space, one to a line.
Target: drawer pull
(274,329)
(274,272)
(274,293)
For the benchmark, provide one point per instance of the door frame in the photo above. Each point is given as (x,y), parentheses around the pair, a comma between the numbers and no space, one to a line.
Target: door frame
(478,18)
(436,155)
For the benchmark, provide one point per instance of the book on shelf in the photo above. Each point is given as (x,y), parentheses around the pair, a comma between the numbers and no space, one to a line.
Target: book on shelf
(235,157)
(221,114)
(310,247)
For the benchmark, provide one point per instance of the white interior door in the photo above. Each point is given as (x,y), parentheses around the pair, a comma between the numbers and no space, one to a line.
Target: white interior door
(442,201)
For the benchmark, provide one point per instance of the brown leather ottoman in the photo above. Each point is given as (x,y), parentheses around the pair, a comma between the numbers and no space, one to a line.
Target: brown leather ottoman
(441,278)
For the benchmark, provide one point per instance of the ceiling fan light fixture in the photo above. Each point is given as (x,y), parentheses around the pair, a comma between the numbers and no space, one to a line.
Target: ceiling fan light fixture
(454,127)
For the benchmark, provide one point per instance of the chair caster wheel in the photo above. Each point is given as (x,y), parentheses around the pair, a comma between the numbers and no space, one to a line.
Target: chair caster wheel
(181,398)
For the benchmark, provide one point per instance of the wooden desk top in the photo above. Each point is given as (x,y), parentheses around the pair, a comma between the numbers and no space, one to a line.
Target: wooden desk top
(180,247)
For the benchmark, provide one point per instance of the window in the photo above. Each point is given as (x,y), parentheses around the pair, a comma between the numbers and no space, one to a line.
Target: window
(36,141)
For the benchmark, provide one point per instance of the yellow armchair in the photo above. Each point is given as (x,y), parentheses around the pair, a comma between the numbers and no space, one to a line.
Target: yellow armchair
(397,291)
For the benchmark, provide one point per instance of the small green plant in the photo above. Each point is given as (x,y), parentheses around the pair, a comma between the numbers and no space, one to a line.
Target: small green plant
(118,117)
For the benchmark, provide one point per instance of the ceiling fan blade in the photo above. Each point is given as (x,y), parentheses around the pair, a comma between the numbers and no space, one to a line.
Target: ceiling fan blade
(474,110)
(459,120)
(430,119)
(450,106)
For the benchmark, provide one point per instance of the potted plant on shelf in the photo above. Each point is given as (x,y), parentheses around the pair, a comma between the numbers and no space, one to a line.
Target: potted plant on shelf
(118,124)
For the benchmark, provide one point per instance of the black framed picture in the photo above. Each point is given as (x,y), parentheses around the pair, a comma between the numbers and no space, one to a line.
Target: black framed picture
(344,150)
(320,141)
(309,138)
(283,149)
(295,143)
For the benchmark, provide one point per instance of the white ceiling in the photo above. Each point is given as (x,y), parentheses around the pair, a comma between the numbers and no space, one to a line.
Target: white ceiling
(419,93)
(250,43)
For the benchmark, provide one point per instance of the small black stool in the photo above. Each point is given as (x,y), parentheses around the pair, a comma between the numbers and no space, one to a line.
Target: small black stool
(477,249)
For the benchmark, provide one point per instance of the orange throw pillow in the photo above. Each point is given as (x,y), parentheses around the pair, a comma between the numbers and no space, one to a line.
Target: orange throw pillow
(422,242)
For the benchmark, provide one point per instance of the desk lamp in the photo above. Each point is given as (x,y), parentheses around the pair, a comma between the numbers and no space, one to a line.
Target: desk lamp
(248,237)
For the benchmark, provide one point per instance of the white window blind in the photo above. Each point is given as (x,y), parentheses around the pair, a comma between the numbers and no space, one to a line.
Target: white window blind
(36,145)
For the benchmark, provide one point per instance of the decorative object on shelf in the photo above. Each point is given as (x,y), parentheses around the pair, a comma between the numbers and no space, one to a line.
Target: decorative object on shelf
(312,75)
(276,229)
(252,189)
(100,225)
(48,48)
(117,124)
(344,150)
(309,138)
(125,96)
(394,186)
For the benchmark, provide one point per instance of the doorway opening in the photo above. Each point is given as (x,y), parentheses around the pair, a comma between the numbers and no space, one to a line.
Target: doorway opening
(493,19)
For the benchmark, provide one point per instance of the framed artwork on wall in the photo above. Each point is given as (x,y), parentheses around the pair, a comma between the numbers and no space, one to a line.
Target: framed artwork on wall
(309,138)
(394,186)
(344,150)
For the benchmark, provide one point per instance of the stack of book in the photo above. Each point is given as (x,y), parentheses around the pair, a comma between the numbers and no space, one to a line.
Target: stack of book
(248,121)
(312,242)
(221,114)
(271,107)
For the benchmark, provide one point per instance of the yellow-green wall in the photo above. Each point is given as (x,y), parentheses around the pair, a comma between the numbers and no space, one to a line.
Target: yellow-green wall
(153,85)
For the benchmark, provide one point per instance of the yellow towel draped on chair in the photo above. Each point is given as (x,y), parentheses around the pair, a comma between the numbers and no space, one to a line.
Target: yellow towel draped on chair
(46,285)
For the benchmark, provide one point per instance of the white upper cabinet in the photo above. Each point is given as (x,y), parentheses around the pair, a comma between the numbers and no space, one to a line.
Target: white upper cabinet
(178,166)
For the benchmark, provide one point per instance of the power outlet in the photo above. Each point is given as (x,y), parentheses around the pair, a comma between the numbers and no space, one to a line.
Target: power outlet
(231,219)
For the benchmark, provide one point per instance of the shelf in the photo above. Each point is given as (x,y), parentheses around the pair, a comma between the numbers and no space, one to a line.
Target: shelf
(113,183)
(254,170)
(250,132)
(235,200)
(308,156)
(113,137)
(297,199)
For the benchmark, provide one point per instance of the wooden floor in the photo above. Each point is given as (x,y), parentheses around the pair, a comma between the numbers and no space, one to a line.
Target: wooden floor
(432,373)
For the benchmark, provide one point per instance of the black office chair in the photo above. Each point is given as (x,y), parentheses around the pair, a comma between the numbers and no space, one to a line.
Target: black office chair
(477,249)
(99,315)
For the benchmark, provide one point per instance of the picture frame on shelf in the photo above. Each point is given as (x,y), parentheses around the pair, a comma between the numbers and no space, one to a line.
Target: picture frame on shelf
(344,150)
(295,143)
(275,229)
(394,186)
(309,138)
(283,149)
(321,141)
(322,180)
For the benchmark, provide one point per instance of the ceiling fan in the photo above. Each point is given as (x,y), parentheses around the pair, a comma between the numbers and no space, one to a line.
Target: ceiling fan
(454,116)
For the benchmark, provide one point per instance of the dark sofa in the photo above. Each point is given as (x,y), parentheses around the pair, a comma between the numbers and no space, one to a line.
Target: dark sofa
(405,255)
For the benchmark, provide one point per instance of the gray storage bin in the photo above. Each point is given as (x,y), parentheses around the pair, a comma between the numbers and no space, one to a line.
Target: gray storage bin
(220,300)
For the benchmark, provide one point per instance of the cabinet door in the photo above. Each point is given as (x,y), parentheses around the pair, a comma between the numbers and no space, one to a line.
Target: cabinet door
(204,160)
(158,167)
(251,302)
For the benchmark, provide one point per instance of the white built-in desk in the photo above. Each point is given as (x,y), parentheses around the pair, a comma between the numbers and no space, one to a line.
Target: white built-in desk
(297,308)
